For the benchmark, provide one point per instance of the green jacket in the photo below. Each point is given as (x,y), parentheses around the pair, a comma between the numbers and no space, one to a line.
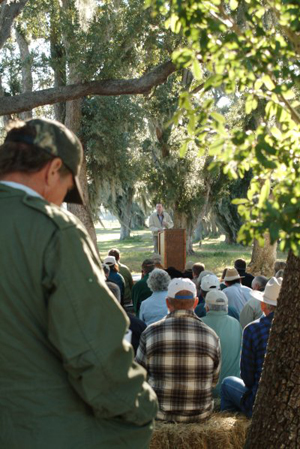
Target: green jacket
(67,379)
(229,331)
(140,292)
(125,272)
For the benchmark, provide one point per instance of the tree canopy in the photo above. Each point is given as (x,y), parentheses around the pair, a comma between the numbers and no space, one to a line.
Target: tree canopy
(249,49)
(111,53)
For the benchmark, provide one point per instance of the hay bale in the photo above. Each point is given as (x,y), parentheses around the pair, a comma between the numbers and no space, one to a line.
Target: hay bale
(220,431)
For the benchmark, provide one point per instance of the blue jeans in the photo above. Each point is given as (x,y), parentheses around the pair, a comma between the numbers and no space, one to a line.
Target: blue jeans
(232,391)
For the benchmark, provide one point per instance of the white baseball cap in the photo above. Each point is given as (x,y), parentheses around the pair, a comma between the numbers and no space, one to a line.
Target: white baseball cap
(210,281)
(216,297)
(178,285)
(110,260)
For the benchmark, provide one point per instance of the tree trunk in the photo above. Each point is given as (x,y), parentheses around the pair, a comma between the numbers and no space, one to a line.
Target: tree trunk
(72,121)
(263,258)
(73,116)
(138,217)
(228,219)
(124,232)
(8,12)
(58,64)
(276,419)
(124,211)
(84,212)
(6,118)
(214,227)
(181,221)
(189,239)
(198,233)
(26,58)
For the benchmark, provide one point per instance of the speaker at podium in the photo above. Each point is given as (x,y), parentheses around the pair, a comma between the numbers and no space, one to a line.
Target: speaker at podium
(172,248)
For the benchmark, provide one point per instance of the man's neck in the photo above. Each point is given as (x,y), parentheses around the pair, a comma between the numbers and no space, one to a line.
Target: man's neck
(32,181)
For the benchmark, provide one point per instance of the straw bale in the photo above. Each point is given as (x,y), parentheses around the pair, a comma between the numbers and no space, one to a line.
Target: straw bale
(220,431)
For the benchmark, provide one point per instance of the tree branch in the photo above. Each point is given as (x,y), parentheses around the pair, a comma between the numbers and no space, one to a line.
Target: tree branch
(8,12)
(142,85)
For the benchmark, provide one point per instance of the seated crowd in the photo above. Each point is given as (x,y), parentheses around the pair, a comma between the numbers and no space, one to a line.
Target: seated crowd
(199,338)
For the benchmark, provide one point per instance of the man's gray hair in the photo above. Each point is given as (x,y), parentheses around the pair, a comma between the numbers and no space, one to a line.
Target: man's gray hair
(158,280)
(261,281)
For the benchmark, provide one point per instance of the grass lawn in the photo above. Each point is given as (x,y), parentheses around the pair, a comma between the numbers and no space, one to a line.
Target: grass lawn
(214,253)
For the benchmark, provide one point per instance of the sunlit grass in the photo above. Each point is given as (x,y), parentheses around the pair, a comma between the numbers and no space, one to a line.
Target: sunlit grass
(214,252)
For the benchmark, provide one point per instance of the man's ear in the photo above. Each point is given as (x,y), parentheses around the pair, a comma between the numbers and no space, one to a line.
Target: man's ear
(52,170)
(169,304)
(263,307)
(195,302)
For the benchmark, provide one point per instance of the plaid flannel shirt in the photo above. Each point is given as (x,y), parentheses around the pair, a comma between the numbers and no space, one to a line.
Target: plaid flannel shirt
(182,357)
(255,340)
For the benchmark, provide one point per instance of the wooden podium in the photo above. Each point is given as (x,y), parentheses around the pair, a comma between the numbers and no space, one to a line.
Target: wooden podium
(172,248)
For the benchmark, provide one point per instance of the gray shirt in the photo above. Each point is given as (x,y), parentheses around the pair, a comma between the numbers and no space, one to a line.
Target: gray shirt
(250,312)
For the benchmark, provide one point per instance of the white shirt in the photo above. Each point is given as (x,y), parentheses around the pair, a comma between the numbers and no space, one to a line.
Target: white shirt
(17,185)
(237,295)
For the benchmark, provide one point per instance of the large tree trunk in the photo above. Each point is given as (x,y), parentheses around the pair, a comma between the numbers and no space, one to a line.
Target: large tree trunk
(263,258)
(73,116)
(27,82)
(181,221)
(138,217)
(276,419)
(58,64)
(72,121)
(198,232)
(8,12)
(228,219)
(84,212)
(5,118)
(124,212)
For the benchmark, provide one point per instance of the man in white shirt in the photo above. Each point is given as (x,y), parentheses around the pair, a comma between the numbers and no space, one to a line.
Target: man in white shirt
(159,221)
(236,293)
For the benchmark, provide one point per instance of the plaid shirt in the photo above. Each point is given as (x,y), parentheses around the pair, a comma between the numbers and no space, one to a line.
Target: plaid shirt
(255,340)
(182,357)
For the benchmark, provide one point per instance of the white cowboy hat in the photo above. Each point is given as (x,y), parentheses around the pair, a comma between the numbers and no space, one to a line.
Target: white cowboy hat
(271,292)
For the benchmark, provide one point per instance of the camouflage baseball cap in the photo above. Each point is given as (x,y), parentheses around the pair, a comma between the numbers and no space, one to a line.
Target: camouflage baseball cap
(57,140)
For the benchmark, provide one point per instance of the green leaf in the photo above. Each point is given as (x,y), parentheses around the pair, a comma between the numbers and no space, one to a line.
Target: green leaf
(238,201)
(214,81)
(184,148)
(276,133)
(289,95)
(233,4)
(183,57)
(218,117)
(265,193)
(191,124)
(274,230)
(216,146)
(197,72)
(271,109)
(258,83)
(251,104)
(266,79)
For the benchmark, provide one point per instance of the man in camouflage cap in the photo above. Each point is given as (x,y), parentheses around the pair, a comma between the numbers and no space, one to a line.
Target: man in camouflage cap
(67,378)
